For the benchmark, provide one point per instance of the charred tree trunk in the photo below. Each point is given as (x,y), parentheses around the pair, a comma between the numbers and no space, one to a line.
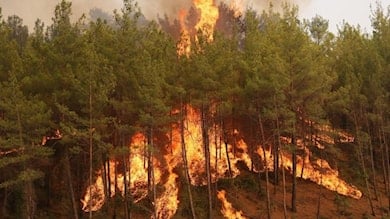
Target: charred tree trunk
(185,161)
(205,137)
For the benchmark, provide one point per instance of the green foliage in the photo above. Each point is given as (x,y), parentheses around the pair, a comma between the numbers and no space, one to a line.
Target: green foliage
(110,81)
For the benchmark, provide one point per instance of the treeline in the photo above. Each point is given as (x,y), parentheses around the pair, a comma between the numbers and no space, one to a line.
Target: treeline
(99,82)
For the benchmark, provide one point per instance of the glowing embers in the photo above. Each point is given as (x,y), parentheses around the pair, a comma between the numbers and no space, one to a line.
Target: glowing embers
(227,209)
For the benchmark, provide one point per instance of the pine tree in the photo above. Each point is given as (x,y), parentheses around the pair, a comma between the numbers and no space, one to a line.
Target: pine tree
(22,125)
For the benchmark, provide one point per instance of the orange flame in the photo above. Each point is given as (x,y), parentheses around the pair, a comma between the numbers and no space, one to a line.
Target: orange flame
(320,173)
(218,155)
(184,44)
(227,209)
(138,178)
(208,17)
(167,202)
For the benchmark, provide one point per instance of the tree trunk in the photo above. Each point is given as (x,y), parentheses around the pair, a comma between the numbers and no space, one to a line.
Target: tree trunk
(115,185)
(265,167)
(372,159)
(361,158)
(284,189)
(125,189)
(104,177)
(225,140)
(276,165)
(70,186)
(151,180)
(108,179)
(216,148)
(320,190)
(129,195)
(282,164)
(185,162)
(205,137)
(4,205)
(228,159)
(29,191)
(387,159)
(294,173)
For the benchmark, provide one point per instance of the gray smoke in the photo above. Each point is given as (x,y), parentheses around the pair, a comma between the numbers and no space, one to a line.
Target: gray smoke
(31,10)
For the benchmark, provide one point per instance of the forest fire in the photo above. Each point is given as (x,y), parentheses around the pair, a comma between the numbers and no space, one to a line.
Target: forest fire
(184,44)
(137,178)
(223,154)
(320,172)
(167,203)
(227,209)
(208,17)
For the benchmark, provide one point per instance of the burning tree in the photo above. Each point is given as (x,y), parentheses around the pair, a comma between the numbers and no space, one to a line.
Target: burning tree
(149,115)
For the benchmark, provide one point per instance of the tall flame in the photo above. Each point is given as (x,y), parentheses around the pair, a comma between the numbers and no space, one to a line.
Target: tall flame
(138,178)
(167,201)
(208,17)
(184,44)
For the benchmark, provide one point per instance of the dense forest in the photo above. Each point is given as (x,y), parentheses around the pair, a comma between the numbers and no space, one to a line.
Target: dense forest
(74,94)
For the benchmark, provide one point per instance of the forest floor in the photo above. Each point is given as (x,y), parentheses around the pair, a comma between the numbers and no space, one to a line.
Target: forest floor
(240,192)
(332,205)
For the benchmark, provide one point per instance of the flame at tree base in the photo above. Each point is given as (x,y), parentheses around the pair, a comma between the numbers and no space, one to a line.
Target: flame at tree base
(227,209)
(166,203)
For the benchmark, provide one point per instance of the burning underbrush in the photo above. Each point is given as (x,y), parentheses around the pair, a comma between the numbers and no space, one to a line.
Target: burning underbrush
(169,164)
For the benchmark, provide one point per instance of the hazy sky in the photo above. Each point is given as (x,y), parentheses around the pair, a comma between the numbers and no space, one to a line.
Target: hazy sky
(352,11)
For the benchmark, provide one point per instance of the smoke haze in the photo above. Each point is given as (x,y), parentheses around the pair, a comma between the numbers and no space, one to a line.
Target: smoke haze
(31,10)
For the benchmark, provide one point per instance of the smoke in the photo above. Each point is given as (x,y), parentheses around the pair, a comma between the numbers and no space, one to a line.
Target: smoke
(31,10)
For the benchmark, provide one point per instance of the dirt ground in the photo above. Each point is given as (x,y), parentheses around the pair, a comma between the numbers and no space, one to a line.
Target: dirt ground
(332,205)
